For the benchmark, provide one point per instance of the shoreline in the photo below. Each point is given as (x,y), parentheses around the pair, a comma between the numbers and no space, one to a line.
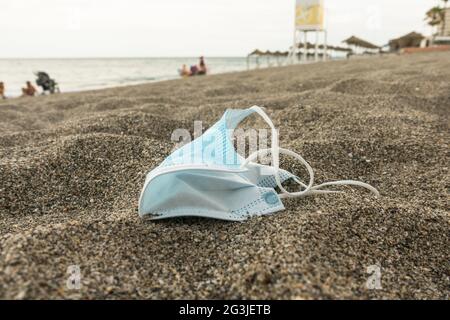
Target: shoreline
(85,74)
(165,78)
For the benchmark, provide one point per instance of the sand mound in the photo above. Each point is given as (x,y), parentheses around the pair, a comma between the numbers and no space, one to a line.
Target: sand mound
(90,171)
(72,167)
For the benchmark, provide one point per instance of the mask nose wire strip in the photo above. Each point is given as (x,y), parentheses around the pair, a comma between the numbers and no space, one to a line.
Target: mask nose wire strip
(309,189)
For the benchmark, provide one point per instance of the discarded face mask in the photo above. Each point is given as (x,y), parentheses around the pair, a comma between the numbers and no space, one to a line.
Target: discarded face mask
(208,178)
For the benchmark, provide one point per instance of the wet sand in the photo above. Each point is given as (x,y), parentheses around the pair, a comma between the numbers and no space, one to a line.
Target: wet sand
(72,167)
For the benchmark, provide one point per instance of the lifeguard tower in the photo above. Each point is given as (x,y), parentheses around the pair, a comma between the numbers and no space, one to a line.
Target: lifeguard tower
(309,19)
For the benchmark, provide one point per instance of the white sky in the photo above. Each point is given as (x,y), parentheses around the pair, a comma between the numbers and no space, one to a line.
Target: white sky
(155,28)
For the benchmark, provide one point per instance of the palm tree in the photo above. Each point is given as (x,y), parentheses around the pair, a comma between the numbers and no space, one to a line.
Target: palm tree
(436,15)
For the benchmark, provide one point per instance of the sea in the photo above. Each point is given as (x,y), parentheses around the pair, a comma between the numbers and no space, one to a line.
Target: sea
(86,74)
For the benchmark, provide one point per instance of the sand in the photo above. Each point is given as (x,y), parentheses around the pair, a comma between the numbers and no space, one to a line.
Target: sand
(72,167)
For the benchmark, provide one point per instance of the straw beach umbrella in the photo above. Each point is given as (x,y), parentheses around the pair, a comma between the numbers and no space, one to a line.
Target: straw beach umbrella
(358,43)
(355,41)
(255,53)
(268,54)
(279,54)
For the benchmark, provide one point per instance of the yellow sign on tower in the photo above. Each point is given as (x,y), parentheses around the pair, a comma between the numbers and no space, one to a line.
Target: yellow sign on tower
(309,15)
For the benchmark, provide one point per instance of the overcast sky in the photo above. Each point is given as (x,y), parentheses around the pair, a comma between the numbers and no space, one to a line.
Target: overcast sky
(155,28)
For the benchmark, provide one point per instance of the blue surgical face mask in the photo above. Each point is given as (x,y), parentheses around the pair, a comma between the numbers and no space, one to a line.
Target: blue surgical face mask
(208,178)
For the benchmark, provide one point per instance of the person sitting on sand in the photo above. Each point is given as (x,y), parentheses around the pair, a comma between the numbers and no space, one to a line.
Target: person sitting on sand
(202,66)
(29,91)
(194,70)
(2,90)
(184,71)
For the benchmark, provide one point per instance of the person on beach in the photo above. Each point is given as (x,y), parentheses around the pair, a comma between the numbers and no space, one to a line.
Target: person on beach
(2,90)
(29,90)
(184,71)
(194,70)
(202,66)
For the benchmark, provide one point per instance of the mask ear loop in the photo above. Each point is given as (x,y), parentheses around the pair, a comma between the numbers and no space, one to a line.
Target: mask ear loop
(286,193)
(309,189)
(316,189)
(275,151)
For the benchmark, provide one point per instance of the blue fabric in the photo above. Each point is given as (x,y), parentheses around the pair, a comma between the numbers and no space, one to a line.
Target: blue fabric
(204,178)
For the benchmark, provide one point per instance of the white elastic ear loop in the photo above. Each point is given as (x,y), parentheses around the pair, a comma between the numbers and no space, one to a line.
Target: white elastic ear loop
(347,183)
(309,189)
(274,145)
(286,193)
(313,189)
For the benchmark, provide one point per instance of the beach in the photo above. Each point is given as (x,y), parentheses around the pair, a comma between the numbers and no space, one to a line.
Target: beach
(72,167)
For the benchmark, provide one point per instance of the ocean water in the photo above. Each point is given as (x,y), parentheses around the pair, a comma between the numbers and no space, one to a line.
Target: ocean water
(86,74)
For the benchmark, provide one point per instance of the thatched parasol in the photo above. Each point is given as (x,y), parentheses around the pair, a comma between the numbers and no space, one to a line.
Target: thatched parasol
(341,49)
(257,52)
(281,54)
(355,41)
